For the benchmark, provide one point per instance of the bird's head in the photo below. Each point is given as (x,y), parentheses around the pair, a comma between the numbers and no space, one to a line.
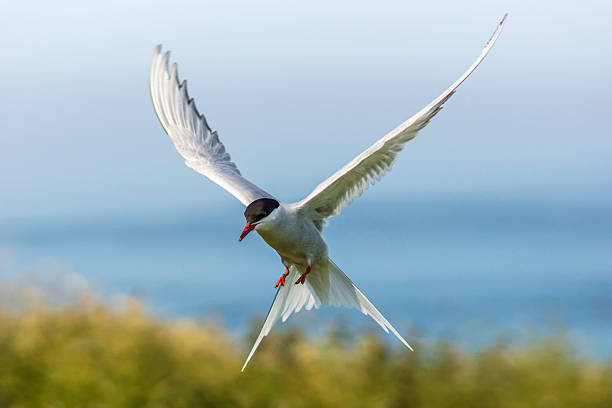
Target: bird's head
(257,213)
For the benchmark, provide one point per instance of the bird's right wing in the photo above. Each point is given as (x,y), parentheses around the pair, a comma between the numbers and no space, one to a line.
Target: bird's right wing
(339,190)
(190,134)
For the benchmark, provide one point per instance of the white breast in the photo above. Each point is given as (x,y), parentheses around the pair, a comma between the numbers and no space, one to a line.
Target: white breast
(293,236)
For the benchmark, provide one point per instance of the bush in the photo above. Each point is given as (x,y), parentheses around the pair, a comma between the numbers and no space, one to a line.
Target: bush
(88,354)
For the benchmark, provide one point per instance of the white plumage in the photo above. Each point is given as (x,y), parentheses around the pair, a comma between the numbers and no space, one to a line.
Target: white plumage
(293,230)
(191,135)
(330,287)
(338,191)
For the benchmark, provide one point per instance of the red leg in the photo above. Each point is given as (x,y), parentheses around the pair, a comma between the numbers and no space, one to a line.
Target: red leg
(281,280)
(302,278)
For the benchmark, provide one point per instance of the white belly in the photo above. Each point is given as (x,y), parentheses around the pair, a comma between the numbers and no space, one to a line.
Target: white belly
(295,239)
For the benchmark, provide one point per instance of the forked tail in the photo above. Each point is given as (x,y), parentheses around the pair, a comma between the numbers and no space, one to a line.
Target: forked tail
(325,286)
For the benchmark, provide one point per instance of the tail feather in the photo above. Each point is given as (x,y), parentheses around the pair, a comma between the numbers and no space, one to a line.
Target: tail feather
(343,292)
(325,286)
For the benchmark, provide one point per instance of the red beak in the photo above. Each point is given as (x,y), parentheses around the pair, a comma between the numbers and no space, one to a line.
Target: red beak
(248,228)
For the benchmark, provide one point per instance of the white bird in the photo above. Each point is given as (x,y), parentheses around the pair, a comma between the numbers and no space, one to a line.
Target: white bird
(293,230)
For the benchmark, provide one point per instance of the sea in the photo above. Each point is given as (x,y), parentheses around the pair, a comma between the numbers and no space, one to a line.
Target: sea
(469,271)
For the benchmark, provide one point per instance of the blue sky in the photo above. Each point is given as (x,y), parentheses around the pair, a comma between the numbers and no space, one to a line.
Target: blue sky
(296,90)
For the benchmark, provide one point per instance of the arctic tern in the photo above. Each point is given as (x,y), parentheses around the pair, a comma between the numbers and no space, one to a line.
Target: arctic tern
(294,230)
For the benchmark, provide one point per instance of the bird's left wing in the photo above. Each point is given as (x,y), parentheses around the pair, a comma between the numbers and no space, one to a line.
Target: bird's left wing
(191,135)
(338,191)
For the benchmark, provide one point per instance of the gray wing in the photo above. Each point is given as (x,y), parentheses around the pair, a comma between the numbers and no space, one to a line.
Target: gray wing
(191,135)
(331,196)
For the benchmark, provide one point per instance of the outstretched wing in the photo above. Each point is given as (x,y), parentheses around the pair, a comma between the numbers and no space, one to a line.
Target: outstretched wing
(338,191)
(327,286)
(191,135)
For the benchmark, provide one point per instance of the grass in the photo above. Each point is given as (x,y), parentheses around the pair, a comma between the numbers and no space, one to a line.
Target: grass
(89,354)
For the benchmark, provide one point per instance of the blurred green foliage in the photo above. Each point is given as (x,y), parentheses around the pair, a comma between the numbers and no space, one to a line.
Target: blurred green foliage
(89,354)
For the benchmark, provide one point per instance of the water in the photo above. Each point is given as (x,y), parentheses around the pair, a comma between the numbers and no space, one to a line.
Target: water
(464,269)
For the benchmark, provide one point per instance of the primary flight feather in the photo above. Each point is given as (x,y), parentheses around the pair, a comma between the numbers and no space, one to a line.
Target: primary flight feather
(311,279)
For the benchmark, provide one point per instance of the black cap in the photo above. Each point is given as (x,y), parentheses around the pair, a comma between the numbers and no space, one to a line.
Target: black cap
(259,209)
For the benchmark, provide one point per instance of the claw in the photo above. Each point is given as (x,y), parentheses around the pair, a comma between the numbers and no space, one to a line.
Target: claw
(302,279)
(281,280)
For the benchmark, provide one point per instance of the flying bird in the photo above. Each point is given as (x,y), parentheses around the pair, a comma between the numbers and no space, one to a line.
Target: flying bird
(294,231)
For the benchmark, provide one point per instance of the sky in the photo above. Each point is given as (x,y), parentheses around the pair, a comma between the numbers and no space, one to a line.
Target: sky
(296,90)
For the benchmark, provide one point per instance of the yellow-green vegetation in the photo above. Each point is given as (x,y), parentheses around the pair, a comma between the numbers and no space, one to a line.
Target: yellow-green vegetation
(88,354)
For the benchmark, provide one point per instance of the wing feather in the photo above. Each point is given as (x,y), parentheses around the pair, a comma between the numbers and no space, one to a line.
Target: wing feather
(338,191)
(190,133)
